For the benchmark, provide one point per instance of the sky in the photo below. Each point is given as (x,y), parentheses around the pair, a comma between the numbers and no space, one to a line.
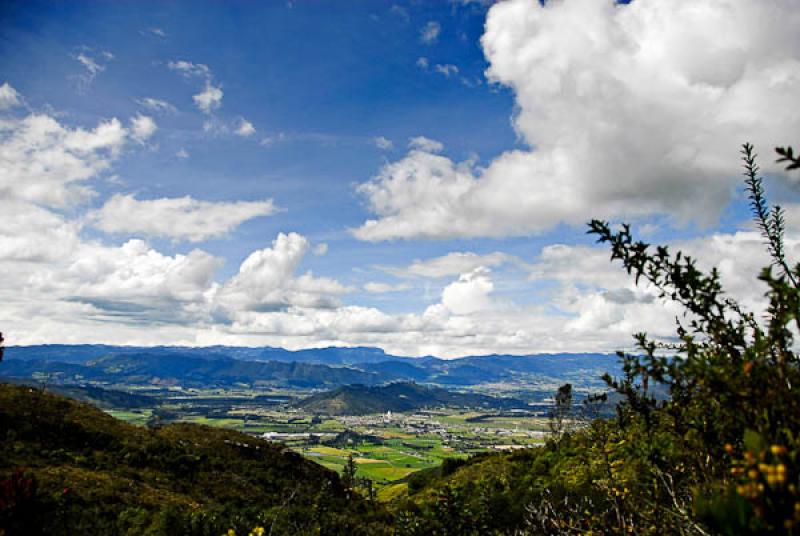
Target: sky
(415,176)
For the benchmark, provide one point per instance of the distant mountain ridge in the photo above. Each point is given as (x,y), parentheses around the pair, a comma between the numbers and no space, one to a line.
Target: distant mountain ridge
(312,368)
(78,353)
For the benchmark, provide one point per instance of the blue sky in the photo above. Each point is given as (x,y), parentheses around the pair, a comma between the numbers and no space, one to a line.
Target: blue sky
(411,175)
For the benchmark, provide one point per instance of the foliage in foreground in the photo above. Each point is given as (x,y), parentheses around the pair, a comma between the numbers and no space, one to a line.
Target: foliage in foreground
(719,455)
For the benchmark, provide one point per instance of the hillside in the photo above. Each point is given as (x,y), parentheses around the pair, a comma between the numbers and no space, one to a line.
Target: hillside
(400,396)
(88,473)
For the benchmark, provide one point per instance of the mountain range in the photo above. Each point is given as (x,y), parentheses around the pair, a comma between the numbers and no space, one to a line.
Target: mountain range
(315,368)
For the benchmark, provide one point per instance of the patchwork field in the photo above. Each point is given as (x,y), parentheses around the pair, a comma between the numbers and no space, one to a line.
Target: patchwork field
(386,449)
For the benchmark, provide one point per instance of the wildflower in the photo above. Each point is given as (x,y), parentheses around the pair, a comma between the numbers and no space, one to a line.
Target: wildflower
(777,450)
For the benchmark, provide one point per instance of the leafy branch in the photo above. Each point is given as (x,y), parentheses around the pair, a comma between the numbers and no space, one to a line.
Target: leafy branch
(787,155)
(771,222)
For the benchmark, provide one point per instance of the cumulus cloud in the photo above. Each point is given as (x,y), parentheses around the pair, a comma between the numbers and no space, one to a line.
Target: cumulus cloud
(266,281)
(44,162)
(630,109)
(422,63)
(181,218)
(134,273)
(429,33)
(418,196)
(245,128)
(209,99)
(58,285)
(33,234)
(142,127)
(470,294)
(9,98)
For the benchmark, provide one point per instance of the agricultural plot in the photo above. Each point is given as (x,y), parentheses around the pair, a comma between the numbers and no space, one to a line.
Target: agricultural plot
(386,449)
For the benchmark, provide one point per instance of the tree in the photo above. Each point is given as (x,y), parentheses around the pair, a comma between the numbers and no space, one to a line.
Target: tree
(727,435)
(562,408)
(349,475)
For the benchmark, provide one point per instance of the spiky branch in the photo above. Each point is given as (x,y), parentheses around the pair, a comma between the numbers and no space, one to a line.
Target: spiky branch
(770,222)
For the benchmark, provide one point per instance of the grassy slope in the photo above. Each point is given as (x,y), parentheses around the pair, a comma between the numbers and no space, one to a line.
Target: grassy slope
(100,474)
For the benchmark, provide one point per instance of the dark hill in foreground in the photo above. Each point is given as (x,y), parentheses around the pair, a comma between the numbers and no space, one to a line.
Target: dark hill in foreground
(88,473)
(401,396)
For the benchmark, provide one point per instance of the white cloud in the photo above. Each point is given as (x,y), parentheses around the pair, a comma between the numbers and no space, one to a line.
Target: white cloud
(156,105)
(383,143)
(209,99)
(44,162)
(422,63)
(417,196)
(320,249)
(453,263)
(136,274)
(429,33)
(266,281)
(245,129)
(9,98)
(158,32)
(374,287)
(470,294)
(93,62)
(632,110)
(90,64)
(33,234)
(421,143)
(182,218)
(142,127)
(446,69)
(182,153)
(189,69)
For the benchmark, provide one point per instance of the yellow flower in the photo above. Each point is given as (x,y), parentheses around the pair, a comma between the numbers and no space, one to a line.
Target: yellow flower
(777,450)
